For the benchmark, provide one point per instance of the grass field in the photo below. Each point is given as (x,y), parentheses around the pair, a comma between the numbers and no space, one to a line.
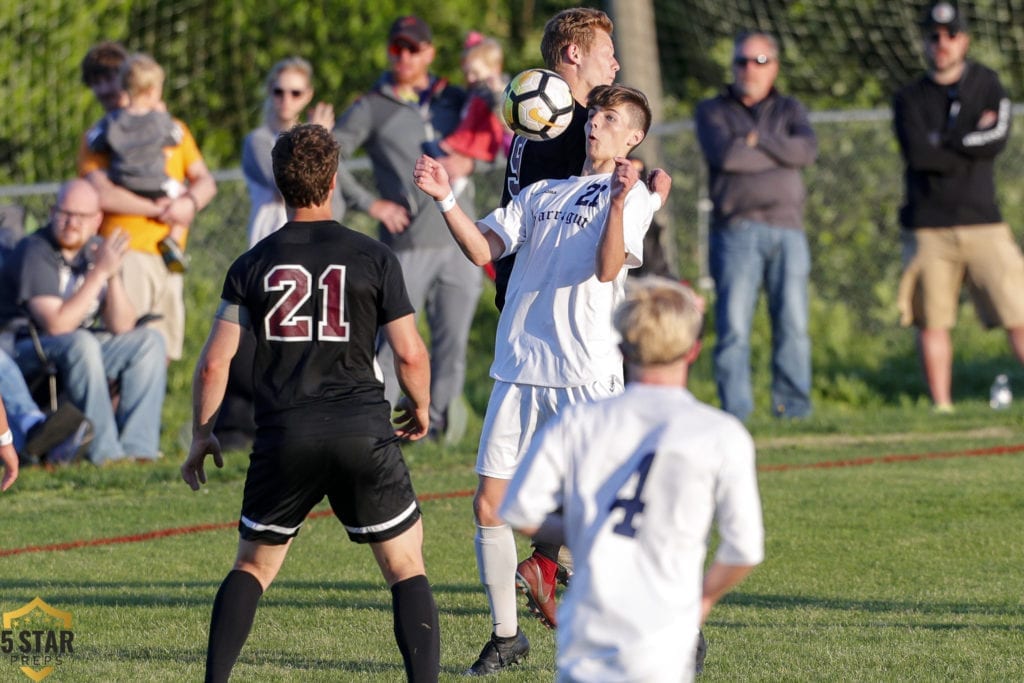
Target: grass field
(902,568)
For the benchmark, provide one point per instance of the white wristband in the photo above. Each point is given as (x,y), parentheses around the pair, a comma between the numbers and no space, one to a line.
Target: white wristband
(446,204)
(7,438)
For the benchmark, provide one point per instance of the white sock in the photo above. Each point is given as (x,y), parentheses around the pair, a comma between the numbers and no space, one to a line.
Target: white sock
(496,559)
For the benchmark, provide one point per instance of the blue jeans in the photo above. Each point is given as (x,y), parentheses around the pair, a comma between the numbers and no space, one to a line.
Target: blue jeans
(22,411)
(86,363)
(744,256)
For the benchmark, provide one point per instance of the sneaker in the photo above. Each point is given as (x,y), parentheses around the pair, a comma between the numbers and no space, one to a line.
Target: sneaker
(536,581)
(702,652)
(51,432)
(71,449)
(174,257)
(500,653)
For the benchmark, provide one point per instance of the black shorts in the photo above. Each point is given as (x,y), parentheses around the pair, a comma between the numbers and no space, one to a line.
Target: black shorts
(364,478)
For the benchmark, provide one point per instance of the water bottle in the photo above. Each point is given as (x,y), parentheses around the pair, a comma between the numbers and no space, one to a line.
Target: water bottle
(1000,395)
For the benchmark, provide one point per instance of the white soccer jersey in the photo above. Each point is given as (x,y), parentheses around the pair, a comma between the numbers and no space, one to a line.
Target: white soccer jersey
(555,329)
(640,477)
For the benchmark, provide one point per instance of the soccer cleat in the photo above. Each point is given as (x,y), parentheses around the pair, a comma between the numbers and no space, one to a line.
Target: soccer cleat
(500,653)
(702,651)
(536,581)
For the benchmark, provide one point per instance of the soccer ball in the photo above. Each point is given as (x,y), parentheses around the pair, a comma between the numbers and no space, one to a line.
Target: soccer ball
(538,104)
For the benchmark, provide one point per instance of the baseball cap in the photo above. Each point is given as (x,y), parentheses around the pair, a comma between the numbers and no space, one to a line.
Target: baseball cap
(945,15)
(411,28)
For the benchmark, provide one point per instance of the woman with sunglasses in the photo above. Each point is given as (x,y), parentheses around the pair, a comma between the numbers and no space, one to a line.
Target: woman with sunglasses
(289,92)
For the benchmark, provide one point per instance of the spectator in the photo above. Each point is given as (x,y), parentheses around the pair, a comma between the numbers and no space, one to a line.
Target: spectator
(71,288)
(53,439)
(324,425)
(951,124)
(577,45)
(101,73)
(554,346)
(633,484)
(155,291)
(134,136)
(406,108)
(482,132)
(289,92)
(756,141)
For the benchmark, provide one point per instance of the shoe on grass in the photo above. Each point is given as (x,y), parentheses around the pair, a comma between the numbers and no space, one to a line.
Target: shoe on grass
(535,578)
(500,653)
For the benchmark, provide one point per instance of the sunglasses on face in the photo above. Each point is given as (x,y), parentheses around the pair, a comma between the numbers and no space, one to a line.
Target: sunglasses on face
(399,46)
(937,36)
(281,92)
(741,62)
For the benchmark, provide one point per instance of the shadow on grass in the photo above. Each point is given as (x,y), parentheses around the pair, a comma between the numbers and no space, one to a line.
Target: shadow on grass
(909,607)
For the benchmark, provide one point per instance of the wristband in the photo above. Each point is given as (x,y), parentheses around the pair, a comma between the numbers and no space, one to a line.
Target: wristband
(447,204)
(7,438)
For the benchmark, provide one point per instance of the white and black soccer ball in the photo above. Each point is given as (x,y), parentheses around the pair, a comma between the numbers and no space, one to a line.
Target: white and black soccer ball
(538,104)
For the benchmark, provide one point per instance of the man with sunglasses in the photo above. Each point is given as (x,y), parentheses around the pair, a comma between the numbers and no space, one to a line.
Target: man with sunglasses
(951,124)
(407,107)
(756,141)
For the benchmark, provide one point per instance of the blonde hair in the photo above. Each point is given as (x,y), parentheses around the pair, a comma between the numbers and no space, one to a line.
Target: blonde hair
(141,73)
(287,64)
(487,50)
(576,26)
(658,322)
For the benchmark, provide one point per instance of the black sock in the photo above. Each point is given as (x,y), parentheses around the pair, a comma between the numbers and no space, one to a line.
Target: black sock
(416,628)
(233,612)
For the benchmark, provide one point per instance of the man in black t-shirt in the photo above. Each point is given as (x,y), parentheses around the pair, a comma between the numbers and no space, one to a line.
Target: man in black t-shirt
(315,295)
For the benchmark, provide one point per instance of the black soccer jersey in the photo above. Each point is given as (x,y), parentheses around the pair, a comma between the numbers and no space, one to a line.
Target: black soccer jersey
(316,294)
(533,160)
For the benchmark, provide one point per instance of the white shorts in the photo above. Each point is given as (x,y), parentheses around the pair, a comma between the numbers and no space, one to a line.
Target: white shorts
(515,412)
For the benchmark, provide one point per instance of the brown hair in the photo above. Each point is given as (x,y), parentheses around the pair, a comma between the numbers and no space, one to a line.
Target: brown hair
(305,160)
(102,61)
(571,27)
(608,96)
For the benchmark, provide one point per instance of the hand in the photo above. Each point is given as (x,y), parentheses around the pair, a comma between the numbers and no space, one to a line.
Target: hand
(624,177)
(192,470)
(9,462)
(322,114)
(181,210)
(751,138)
(431,177)
(110,253)
(411,423)
(456,165)
(660,182)
(394,216)
(987,119)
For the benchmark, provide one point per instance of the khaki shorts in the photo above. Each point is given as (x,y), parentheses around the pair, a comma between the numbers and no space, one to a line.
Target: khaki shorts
(938,261)
(154,289)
